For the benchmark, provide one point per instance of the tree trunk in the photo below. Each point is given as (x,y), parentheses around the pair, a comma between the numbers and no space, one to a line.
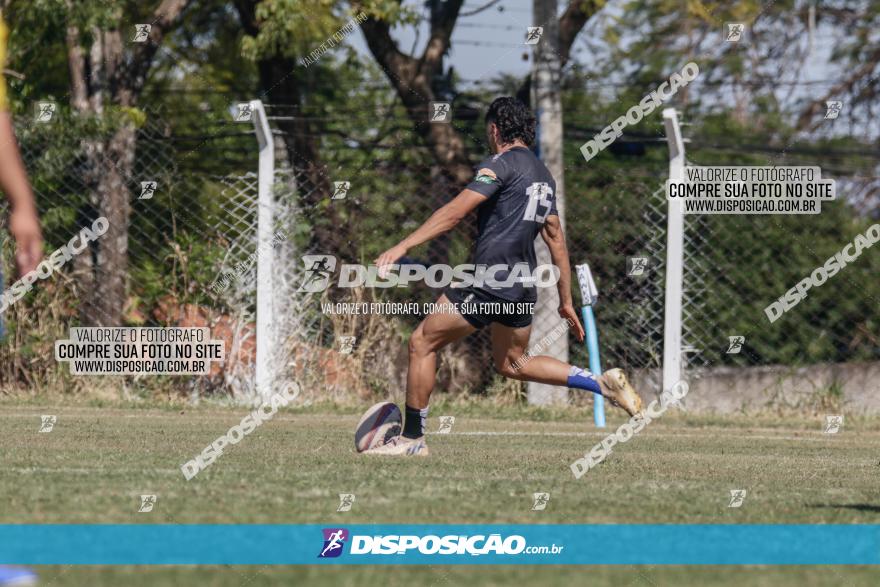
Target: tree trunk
(283,81)
(103,268)
(111,275)
(110,77)
(546,85)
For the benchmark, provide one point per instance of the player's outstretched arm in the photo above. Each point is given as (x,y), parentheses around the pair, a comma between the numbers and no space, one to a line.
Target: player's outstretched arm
(442,220)
(552,234)
(24,225)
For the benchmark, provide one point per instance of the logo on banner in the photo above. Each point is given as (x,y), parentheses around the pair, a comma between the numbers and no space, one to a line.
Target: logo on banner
(334,540)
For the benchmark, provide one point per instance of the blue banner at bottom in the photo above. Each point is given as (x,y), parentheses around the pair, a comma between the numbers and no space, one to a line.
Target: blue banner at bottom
(487,544)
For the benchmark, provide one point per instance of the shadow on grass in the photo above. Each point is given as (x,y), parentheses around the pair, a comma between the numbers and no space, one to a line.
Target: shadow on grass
(859,507)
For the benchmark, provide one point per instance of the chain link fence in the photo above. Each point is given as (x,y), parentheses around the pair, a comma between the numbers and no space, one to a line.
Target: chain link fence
(192,253)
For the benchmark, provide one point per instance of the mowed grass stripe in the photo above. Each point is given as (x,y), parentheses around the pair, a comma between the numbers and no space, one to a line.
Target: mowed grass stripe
(93,467)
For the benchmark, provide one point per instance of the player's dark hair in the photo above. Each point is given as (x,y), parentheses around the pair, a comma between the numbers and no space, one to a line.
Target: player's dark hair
(513,119)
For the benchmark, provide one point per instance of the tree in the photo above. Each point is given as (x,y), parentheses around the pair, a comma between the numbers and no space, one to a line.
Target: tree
(412,77)
(107,72)
(280,34)
(857,57)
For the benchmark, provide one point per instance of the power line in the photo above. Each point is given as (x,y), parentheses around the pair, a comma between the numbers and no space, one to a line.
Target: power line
(481,8)
(484,25)
(821,151)
(487,44)
(587,84)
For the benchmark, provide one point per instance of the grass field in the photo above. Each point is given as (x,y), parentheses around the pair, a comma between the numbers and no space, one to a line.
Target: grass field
(96,462)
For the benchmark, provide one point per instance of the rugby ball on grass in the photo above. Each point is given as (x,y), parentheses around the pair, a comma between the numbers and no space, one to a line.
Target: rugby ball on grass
(378,425)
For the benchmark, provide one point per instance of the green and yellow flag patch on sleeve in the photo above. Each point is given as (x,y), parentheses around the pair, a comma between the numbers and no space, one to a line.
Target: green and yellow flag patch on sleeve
(486,175)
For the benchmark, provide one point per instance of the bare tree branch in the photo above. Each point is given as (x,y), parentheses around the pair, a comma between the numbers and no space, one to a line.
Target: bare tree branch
(131,79)
(411,78)
(572,21)
(805,120)
(438,44)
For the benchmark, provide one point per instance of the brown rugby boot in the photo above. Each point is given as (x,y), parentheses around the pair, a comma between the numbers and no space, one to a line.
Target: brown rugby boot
(616,387)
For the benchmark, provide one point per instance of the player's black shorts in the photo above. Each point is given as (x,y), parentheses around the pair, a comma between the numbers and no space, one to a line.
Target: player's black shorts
(480,308)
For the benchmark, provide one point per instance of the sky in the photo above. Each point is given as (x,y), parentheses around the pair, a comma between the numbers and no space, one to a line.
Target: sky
(483,45)
(491,42)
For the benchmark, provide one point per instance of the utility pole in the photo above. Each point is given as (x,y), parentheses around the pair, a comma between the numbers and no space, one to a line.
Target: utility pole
(674,257)
(266,340)
(546,82)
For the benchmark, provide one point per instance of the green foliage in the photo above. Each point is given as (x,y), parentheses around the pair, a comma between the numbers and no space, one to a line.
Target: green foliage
(295,28)
(364,135)
(183,267)
(744,262)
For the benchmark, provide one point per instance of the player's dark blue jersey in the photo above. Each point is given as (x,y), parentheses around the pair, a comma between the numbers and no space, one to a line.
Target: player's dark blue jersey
(520,195)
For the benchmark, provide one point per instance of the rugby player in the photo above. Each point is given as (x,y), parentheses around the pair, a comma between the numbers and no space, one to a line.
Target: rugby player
(515,198)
